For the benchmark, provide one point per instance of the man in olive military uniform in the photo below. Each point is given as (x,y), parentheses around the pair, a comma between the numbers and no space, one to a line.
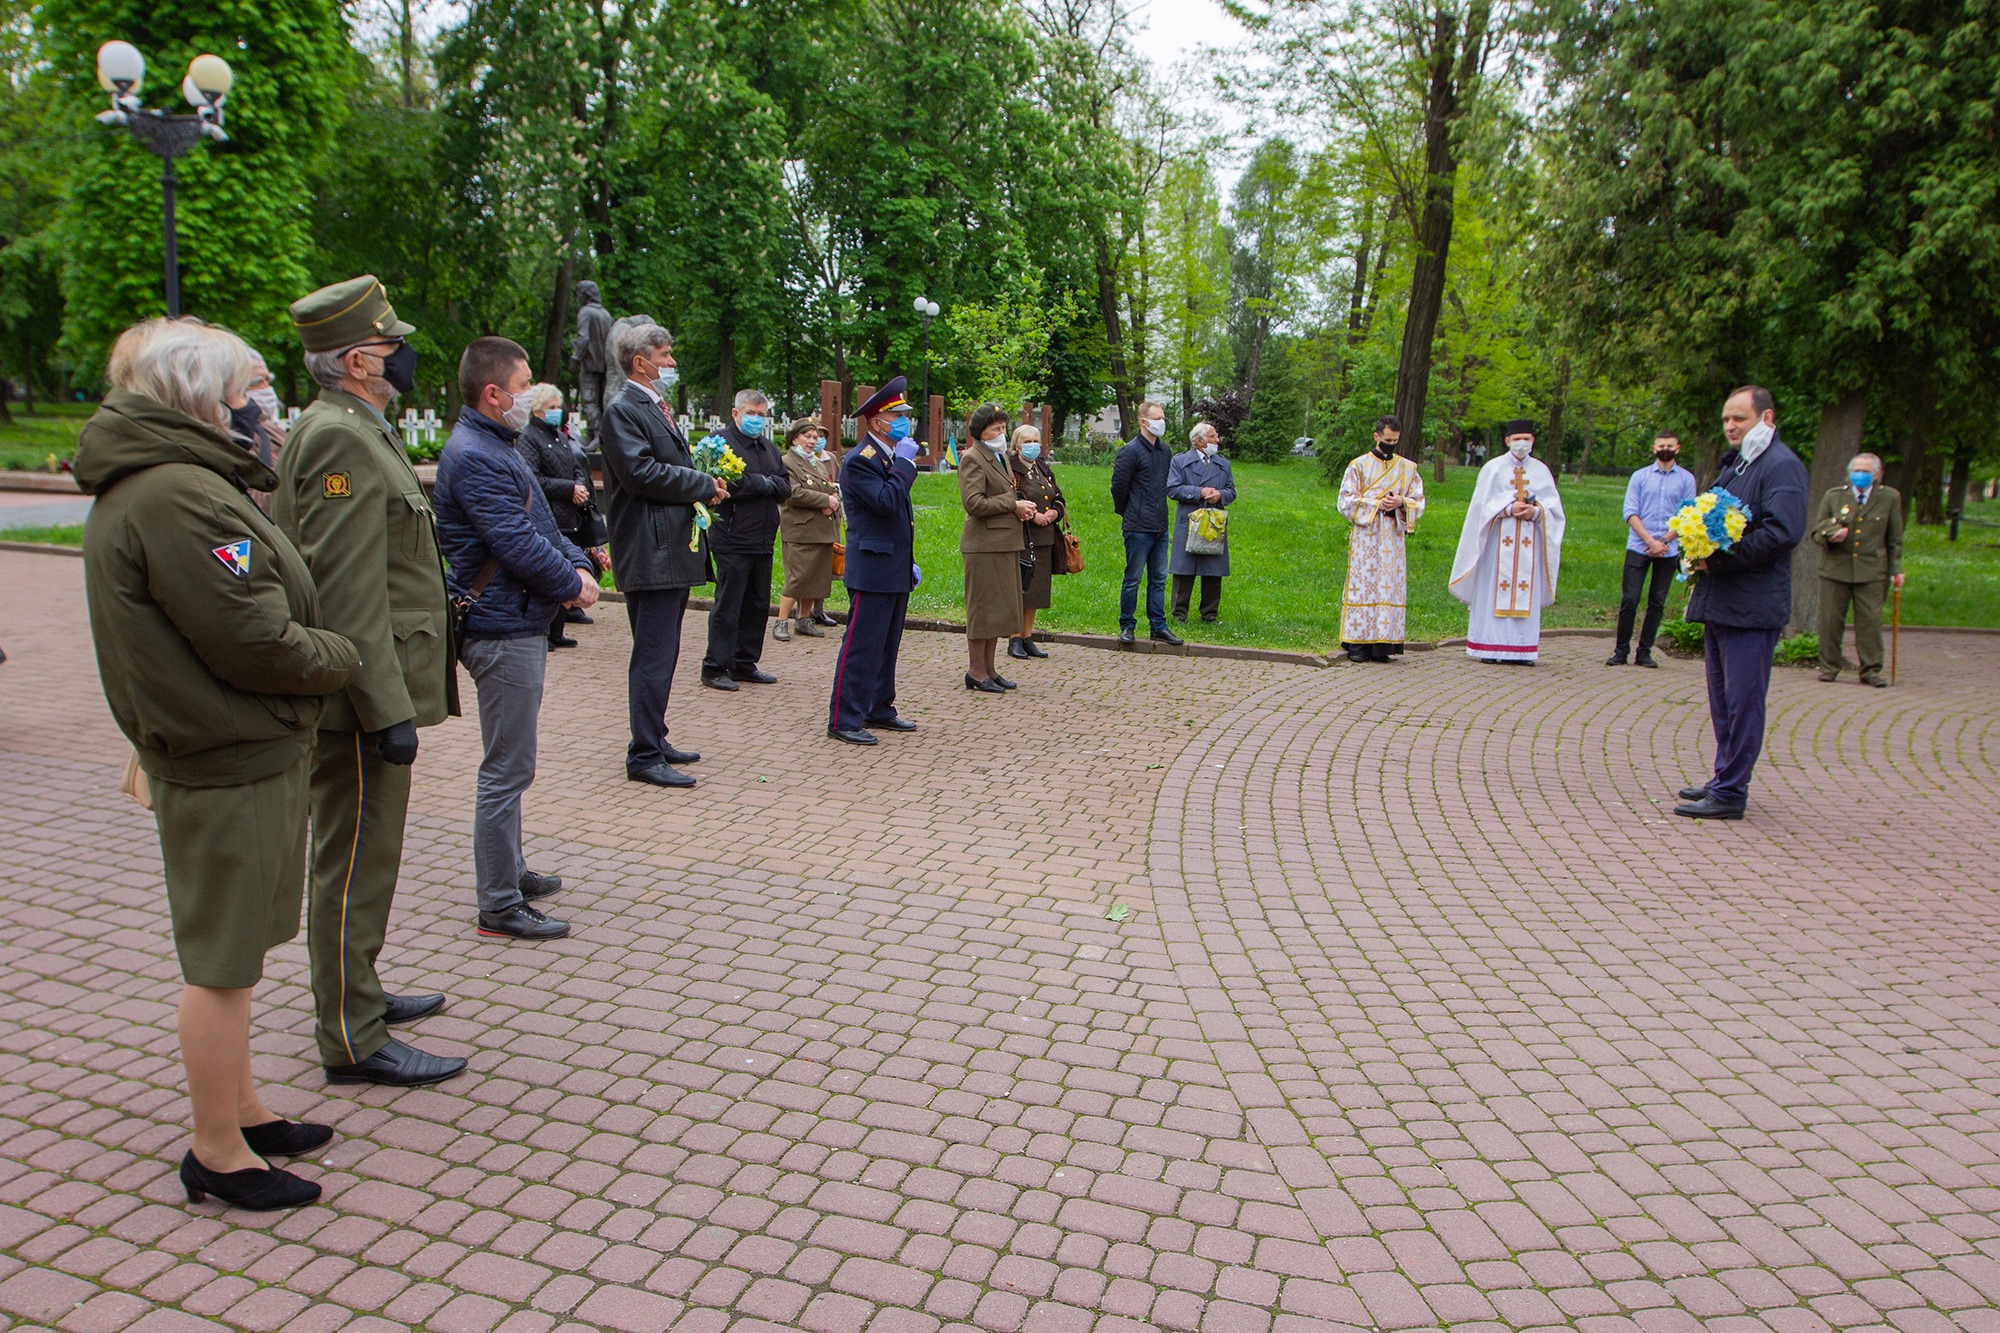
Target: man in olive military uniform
(350,501)
(1859,531)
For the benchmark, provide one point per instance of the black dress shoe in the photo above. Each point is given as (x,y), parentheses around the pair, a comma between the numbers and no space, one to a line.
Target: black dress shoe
(521,922)
(1003,682)
(1709,808)
(260,1189)
(286,1138)
(1875,682)
(409,1008)
(534,885)
(1033,649)
(660,775)
(1695,793)
(851,737)
(754,677)
(973,682)
(720,683)
(1168,636)
(890,724)
(674,756)
(1014,649)
(398,1065)
(823,618)
(576,615)
(1125,635)
(1360,655)
(1646,660)
(562,641)
(1616,659)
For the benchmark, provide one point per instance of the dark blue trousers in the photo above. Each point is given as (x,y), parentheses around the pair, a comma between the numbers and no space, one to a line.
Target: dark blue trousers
(864,675)
(1739,675)
(1145,557)
(649,676)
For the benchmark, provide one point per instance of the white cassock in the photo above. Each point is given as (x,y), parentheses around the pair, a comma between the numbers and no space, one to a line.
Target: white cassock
(1506,567)
(1373,603)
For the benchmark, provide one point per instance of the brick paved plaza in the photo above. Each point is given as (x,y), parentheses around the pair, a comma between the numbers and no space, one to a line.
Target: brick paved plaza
(1427,1013)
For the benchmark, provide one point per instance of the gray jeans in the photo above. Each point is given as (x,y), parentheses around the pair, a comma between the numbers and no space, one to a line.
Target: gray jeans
(508,673)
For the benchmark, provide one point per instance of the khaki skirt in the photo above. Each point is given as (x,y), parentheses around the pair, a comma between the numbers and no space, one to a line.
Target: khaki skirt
(808,570)
(992,594)
(1036,596)
(235,861)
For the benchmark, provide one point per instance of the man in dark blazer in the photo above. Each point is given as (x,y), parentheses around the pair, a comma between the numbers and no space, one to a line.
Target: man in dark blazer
(657,552)
(1743,597)
(875,482)
(740,539)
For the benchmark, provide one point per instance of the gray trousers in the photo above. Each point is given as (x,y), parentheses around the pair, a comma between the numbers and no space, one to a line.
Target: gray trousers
(508,674)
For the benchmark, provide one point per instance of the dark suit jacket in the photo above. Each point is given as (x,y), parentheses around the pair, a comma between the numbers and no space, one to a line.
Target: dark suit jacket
(650,488)
(881,526)
(1750,585)
(747,522)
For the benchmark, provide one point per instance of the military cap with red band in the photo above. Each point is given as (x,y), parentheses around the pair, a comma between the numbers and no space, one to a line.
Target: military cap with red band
(886,400)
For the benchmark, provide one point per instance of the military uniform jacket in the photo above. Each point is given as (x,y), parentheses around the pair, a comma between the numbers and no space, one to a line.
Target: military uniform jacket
(1873,550)
(803,521)
(986,490)
(881,525)
(350,501)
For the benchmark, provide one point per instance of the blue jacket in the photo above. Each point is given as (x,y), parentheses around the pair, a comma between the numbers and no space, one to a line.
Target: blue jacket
(1139,483)
(1749,586)
(489,504)
(1189,473)
(881,526)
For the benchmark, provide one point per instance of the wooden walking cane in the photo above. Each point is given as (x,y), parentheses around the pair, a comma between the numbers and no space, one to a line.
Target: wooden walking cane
(1895,629)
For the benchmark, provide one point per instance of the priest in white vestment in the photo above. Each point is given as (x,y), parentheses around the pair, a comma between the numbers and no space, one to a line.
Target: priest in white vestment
(1382,495)
(1509,552)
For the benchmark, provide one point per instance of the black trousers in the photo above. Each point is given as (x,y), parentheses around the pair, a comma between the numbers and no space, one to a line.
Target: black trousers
(1211,595)
(742,607)
(649,680)
(1636,565)
(864,675)
(1739,676)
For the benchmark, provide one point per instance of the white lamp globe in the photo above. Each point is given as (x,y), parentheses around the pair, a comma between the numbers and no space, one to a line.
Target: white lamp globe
(120,68)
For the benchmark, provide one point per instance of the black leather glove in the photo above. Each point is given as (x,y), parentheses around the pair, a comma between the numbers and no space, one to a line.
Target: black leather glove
(397,743)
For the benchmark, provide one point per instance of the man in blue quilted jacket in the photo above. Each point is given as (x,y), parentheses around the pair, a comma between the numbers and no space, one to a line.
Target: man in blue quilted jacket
(507,557)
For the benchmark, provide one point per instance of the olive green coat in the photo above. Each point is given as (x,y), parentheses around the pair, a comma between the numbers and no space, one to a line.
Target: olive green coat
(348,497)
(213,653)
(1873,548)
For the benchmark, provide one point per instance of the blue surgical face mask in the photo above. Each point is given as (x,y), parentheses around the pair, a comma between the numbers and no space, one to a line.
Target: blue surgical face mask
(753,424)
(1862,480)
(553,416)
(1031,451)
(902,428)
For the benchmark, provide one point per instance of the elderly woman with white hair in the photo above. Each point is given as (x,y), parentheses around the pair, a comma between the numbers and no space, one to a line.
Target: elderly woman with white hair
(546,446)
(207,628)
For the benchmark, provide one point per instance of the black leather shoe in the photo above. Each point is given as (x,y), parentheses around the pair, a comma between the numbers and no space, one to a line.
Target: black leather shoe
(286,1138)
(1033,649)
(1616,659)
(562,641)
(534,885)
(1015,649)
(409,1008)
(674,756)
(398,1065)
(720,683)
(660,775)
(521,922)
(754,677)
(1709,808)
(1646,661)
(1695,793)
(1125,635)
(824,618)
(890,724)
(1168,636)
(1003,682)
(851,737)
(1876,682)
(973,682)
(576,615)
(259,1190)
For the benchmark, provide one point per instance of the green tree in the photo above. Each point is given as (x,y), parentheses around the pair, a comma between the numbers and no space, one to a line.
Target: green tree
(1193,282)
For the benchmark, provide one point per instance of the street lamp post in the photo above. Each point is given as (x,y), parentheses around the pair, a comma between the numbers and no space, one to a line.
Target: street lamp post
(928,309)
(166,135)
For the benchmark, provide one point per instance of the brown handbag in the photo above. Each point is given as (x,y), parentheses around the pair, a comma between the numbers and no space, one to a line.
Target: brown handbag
(1072,550)
(839,559)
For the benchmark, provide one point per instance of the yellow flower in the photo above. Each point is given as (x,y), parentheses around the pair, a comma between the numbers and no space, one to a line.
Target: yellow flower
(1734,523)
(1706,501)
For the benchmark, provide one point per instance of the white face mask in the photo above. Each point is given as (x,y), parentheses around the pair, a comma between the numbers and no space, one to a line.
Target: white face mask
(1155,426)
(266,398)
(516,416)
(1756,438)
(1520,448)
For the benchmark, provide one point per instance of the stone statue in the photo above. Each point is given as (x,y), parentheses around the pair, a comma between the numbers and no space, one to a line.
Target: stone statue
(591,352)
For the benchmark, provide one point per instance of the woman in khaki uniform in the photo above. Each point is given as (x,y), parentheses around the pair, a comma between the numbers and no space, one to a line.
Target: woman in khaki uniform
(808,526)
(1035,481)
(992,544)
(206,624)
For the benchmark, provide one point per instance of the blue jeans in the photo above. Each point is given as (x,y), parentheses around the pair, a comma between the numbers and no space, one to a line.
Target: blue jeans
(1145,552)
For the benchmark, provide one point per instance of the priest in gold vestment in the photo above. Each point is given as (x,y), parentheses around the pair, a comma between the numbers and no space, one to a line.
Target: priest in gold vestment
(1382,495)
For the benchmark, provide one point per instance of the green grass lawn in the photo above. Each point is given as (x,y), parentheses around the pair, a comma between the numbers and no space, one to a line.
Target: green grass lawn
(27,444)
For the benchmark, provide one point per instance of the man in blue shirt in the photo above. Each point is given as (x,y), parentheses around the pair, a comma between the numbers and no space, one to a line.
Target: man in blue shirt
(1651,498)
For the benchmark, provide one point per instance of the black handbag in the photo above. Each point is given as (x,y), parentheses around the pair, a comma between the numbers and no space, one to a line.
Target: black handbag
(1027,567)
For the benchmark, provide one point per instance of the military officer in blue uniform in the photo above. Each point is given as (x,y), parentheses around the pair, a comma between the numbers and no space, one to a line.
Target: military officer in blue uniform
(881,571)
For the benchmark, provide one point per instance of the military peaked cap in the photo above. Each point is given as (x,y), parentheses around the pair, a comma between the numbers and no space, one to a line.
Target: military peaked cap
(346,315)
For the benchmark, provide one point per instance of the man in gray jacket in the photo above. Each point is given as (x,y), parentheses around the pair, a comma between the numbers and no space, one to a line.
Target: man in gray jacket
(657,553)
(1139,494)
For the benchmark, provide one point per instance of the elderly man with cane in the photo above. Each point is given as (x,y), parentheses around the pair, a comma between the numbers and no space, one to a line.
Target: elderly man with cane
(1859,532)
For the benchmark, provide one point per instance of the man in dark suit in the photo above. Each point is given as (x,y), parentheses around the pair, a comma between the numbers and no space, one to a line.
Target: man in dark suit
(875,483)
(657,552)
(1743,596)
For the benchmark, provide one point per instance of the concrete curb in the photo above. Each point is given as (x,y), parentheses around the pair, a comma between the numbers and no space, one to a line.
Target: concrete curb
(42,548)
(60,483)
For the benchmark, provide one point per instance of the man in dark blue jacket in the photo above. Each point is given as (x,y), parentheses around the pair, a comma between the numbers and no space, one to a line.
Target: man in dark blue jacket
(1743,596)
(508,560)
(881,572)
(1139,495)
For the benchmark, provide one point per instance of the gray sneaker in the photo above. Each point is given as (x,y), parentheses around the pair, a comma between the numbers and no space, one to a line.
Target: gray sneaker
(782,631)
(804,626)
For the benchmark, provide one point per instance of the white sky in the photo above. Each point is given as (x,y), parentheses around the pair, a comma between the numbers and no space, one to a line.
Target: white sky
(1175,29)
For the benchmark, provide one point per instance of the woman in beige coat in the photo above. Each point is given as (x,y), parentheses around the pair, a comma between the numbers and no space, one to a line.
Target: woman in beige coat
(992,544)
(808,526)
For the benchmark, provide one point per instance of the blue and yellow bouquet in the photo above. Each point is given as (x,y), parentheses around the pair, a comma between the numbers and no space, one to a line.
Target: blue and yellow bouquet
(713,457)
(1710,522)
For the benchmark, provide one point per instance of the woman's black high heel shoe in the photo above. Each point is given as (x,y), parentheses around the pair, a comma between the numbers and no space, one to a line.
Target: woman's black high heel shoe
(259,1190)
(286,1138)
(983,686)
